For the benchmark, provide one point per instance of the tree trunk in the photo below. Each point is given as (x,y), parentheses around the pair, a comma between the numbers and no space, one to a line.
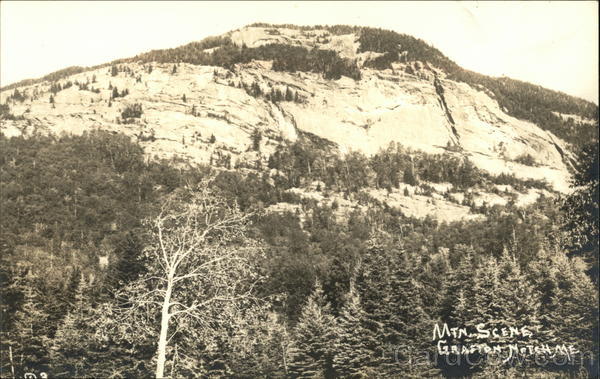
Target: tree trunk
(164,328)
(10,357)
(283,352)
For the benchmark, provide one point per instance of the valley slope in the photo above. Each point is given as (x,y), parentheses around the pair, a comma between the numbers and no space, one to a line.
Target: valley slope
(228,105)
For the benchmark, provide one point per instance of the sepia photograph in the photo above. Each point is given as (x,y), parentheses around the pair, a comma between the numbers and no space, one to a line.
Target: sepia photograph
(299,189)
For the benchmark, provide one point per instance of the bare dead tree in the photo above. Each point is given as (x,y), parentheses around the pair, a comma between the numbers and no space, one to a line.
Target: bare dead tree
(199,264)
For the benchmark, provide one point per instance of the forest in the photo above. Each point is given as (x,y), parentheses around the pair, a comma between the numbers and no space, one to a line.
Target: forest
(117,265)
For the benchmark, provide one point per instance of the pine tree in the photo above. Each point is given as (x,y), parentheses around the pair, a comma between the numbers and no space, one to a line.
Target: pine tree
(582,209)
(569,303)
(409,326)
(19,97)
(503,297)
(394,312)
(71,343)
(256,138)
(314,336)
(30,327)
(212,139)
(183,98)
(353,357)
(478,299)
(374,286)
(542,272)
(519,301)
(255,89)
(458,279)
(409,176)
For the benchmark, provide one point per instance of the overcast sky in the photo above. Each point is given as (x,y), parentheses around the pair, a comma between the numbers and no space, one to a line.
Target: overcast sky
(554,44)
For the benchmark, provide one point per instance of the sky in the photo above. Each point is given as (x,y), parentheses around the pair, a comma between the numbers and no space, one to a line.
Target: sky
(550,43)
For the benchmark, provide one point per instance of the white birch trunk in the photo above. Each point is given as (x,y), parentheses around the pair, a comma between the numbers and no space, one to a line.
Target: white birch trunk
(164,329)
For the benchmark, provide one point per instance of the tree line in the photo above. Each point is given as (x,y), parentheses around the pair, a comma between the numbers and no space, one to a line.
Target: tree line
(301,162)
(315,294)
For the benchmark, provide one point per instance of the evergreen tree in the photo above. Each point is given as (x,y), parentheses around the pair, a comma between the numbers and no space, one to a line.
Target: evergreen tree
(374,286)
(288,94)
(458,279)
(17,96)
(569,314)
(255,89)
(71,344)
(30,325)
(256,138)
(409,326)
(314,338)
(394,312)
(353,357)
(409,176)
(502,297)
(518,300)
(582,208)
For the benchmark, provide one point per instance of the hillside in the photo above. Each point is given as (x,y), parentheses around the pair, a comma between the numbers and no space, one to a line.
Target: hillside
(357,87)
(285,201)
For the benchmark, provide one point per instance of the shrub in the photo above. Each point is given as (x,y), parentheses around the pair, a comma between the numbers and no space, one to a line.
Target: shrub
(131,112)
(526,159)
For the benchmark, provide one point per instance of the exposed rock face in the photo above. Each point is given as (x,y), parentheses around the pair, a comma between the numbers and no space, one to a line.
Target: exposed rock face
(422,111)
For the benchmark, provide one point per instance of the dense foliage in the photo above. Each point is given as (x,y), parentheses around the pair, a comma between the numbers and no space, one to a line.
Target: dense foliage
(353,296)
(285,57)
(582,208)
(342,293)
(302,162)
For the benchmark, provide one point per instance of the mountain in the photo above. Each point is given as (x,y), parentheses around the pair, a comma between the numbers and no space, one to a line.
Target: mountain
(234,101)
(287,201)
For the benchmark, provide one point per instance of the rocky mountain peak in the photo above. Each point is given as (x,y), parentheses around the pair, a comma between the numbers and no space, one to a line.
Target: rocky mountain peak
(232,100)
